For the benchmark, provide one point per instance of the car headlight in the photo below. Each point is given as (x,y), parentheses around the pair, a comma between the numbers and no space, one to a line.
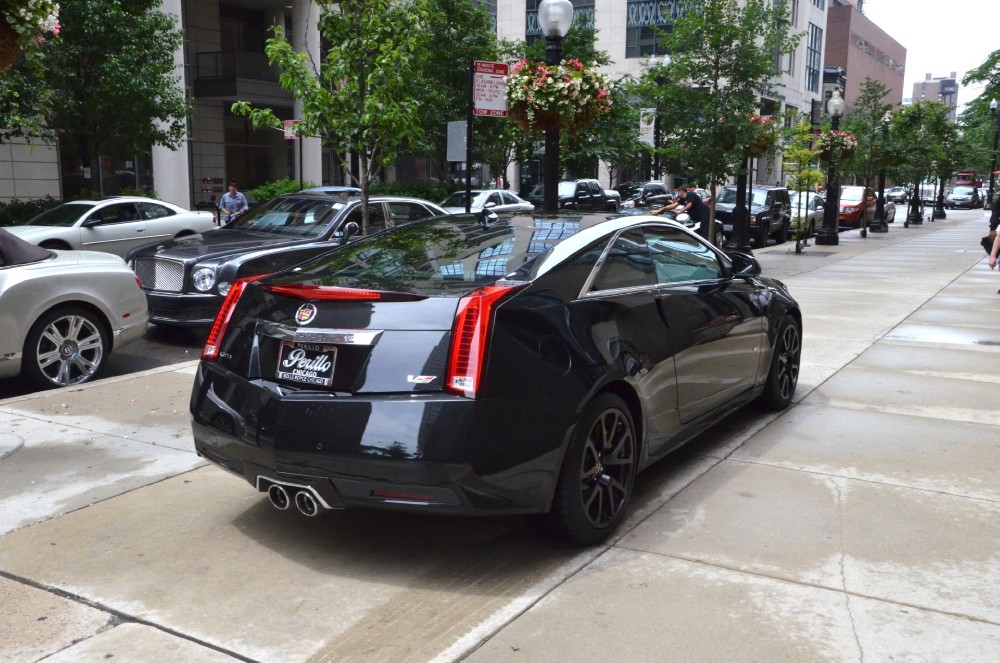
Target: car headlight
(203,279)
(224,287)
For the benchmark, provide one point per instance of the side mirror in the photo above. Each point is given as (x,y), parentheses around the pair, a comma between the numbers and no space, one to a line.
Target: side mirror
(744,264)
(351,228)
(489,205)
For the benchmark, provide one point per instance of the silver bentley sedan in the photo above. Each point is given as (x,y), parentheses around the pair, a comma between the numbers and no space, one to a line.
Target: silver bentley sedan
(113,225)
(63,312)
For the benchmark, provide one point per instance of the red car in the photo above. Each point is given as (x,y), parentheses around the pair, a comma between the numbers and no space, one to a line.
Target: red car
(856,202)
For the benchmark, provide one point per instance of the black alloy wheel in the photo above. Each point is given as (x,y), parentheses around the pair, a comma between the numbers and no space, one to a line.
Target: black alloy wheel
(65,347)
(783,375)
(598,473)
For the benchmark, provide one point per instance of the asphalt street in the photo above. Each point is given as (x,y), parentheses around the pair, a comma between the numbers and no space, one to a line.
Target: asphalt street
(862,524)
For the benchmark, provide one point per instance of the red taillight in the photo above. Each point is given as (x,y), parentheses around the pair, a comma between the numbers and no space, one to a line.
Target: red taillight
(214,341)
(326,293)
(138,283)
(468,338)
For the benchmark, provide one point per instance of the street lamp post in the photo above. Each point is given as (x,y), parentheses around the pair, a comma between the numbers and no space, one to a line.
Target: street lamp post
(939,212)
(827,235)
(879,224)
(555,18)
(996,139)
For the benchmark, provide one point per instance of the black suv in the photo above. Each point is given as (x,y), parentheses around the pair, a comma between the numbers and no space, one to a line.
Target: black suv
(770,213)
(582,194)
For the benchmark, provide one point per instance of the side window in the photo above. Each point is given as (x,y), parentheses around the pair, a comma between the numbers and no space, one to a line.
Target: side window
(626,265)
(154,211)
(678,257)
(508,199)
(595,189)
(376,218)
(581,190)
(121,213)
(404,212)
(494,198)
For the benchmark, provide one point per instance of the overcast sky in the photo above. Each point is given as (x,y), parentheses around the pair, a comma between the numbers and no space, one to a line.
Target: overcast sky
(940,37)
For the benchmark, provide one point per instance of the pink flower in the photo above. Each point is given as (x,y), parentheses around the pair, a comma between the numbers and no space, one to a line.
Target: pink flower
(56,29)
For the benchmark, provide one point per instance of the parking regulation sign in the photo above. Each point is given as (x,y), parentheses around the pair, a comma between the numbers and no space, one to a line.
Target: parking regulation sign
(489,92)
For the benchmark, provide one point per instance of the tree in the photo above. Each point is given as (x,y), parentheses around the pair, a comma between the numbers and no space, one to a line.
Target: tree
(358,97)
(113,75)
(723,54)
(865,122)
(923,139)
(461,32)
(802,166)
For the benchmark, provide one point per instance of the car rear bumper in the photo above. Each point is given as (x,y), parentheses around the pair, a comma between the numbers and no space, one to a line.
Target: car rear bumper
(181,309)
(429,452)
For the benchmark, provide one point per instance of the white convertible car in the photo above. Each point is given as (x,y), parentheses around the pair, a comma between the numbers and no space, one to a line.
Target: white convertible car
(113,225)
(63,312)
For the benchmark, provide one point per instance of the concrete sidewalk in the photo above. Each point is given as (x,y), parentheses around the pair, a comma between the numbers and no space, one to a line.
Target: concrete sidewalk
(862,524)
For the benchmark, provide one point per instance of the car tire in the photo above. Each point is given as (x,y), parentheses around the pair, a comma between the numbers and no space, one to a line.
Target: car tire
(66,346)
(783,375)
(597,475)
(782,235)
(761,240)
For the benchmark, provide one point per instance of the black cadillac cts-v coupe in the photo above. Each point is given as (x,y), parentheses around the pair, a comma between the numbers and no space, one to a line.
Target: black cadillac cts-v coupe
(534,364)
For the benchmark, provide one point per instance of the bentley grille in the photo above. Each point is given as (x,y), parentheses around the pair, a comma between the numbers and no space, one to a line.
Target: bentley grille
(159,274)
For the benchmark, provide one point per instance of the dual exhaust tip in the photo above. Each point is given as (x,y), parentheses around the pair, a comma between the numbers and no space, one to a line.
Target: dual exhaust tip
(283,497)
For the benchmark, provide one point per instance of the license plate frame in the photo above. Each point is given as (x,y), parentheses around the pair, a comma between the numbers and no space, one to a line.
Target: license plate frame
(306,363)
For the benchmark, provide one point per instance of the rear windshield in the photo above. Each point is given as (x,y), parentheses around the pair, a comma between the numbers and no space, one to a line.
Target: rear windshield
(759,197)
(852,193)
(963,191)
(437,256)
(64,215)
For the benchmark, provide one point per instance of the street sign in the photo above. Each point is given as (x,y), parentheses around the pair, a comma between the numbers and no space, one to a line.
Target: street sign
(489,91)
(290,129)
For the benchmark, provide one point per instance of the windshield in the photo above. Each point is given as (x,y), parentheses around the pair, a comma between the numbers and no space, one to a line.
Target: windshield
(728,195)
(64,216)
(963,191)
(852,193)
(294,217)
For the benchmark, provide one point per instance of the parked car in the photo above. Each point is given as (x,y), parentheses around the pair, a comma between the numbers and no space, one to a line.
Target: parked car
(454,367)
(639,194)
(898,194)
(770,213)
(114,225)
(809,207)
(856,203)
(185,280)
(63,312)
(333,188)
(584,195)
(963,196)
(493,200)
(890,211)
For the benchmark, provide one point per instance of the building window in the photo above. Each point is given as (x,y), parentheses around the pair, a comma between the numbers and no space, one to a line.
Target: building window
(814,52)
(640,37)
(820,3)
(583,14)
(793,13)
(791,63)
(491,7)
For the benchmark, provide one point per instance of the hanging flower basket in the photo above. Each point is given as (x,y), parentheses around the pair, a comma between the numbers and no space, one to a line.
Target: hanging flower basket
(836,144)
(766,135)
(23,25)
(9,48)
(544,97)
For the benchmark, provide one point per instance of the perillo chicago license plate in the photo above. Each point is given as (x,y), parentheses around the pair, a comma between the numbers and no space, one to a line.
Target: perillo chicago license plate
(307,363)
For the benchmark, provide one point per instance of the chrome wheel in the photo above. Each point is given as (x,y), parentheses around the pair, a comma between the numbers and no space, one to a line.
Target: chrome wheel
(66,349)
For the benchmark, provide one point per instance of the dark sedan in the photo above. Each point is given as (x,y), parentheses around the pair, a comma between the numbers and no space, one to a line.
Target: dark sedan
(186,280)
(451,366)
